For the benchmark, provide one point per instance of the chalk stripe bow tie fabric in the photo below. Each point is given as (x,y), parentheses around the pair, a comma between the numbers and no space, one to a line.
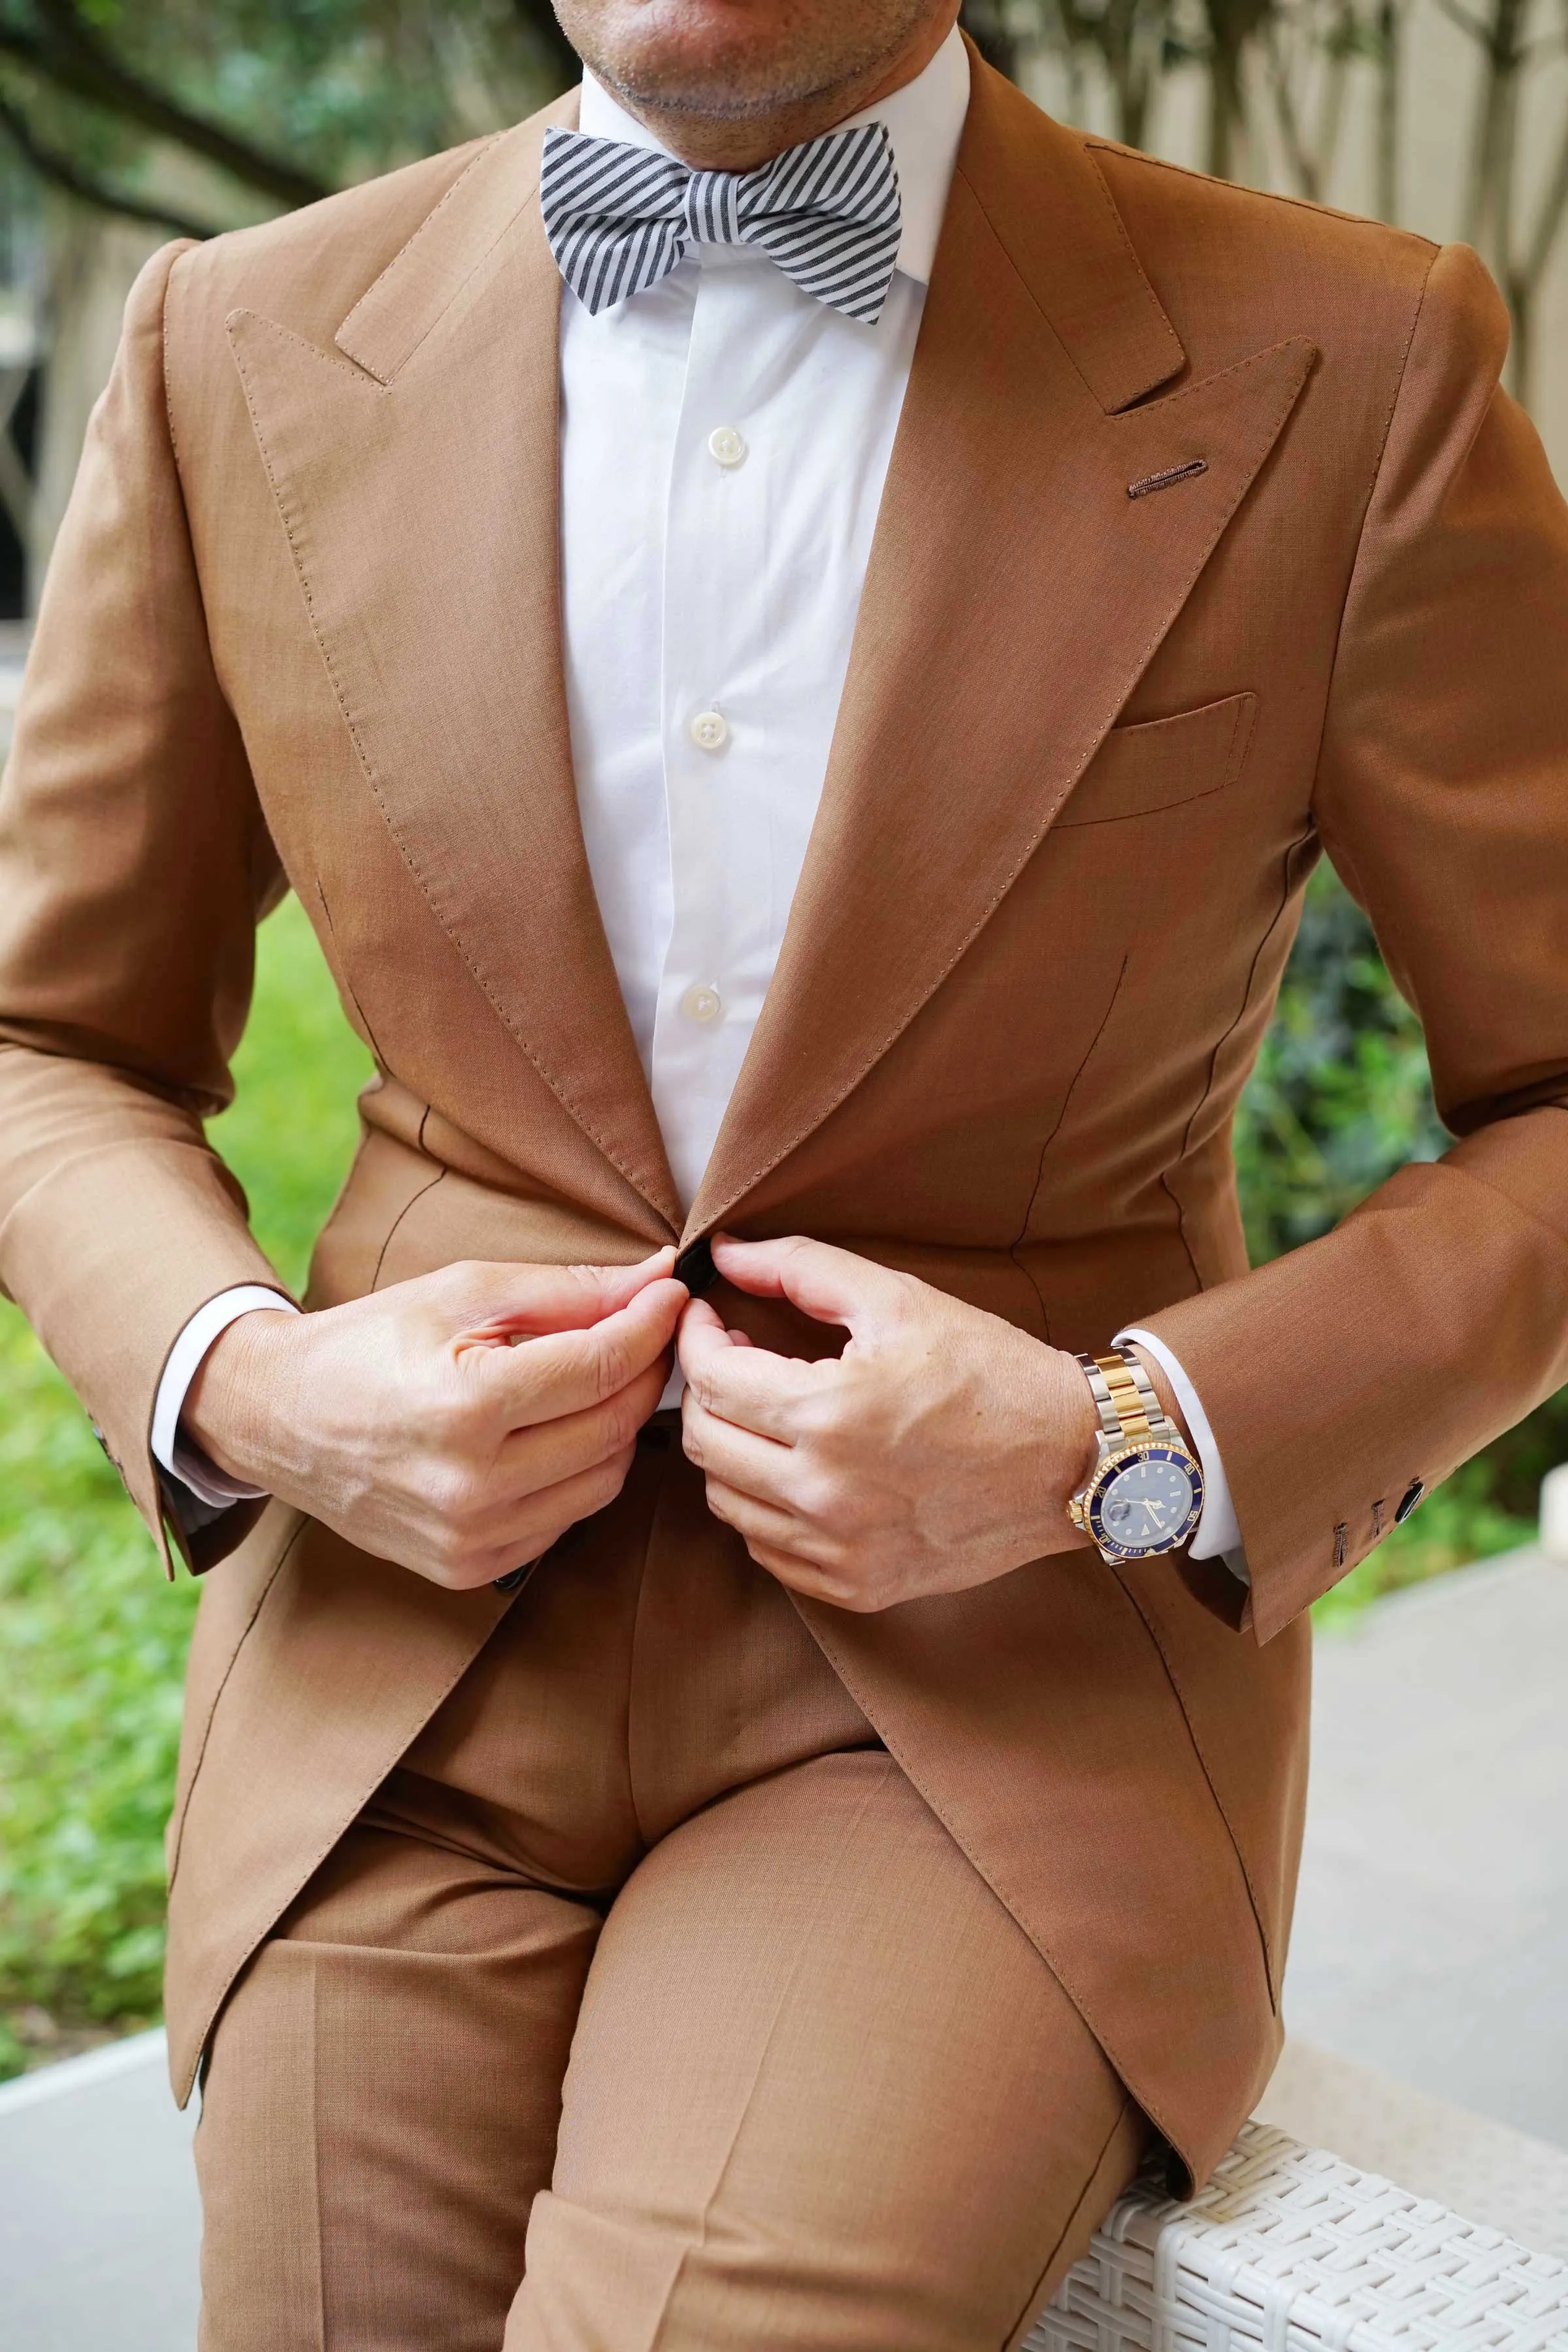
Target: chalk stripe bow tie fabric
(619,218)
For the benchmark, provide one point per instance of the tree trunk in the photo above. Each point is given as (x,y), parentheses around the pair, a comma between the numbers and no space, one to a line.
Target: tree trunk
(1225,115)
(93,259)
(1520,296)
(1232,24)
(1525,281)
(1390,61)
(1133,35)
(1488,221)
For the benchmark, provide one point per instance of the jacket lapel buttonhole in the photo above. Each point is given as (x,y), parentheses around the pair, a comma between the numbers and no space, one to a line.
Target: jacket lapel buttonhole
(1173,474)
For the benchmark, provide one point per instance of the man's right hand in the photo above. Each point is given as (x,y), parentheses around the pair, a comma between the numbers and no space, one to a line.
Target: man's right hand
(457,1424)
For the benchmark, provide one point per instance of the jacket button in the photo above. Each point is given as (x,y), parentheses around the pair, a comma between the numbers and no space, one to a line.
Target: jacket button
(695,1267)
(1408,1500)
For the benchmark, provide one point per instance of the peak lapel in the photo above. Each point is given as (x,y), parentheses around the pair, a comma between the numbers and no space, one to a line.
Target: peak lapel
(419,489)
(1014,597)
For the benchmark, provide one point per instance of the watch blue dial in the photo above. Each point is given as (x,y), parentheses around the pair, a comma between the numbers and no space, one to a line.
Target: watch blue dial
(1146,1499)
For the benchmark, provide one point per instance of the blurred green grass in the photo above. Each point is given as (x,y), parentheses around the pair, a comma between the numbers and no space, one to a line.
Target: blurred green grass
(92,1640)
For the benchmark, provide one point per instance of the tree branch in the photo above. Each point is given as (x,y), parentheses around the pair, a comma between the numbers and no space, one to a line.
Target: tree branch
(72,56)
(61,172)
(1302,162)
(1467,23)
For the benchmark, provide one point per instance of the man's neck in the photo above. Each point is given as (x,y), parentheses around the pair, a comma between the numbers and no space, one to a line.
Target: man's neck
(727,143)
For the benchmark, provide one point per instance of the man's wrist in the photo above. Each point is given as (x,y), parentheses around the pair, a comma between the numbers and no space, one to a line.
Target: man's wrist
(227,1411)
(1071,1447)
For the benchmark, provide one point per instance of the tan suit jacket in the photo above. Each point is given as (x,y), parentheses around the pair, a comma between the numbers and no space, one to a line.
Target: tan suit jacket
(303,625)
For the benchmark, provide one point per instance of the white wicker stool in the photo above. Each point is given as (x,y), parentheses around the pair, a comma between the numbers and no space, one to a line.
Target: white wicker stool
(1289,2250)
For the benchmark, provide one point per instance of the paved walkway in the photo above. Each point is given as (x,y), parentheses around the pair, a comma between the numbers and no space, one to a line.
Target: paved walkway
(99,2226)
(1432,1928)
(1431,1945)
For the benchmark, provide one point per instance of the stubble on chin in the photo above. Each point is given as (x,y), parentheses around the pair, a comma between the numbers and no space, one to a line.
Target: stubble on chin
(645,57)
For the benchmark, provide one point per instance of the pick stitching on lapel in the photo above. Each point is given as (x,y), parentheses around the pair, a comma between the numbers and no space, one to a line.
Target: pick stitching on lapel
(419,489)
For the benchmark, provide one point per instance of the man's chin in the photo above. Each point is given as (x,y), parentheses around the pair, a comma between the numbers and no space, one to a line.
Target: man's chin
(732,86)
(731,60)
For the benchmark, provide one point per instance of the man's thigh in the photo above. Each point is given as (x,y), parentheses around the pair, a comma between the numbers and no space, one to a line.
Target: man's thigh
(381,2103)
(822,2093)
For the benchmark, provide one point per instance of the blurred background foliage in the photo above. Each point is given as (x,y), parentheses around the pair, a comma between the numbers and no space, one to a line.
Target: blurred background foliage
(194,112)
(262,105)
(92,1639)
(131,121)
(1340,1099)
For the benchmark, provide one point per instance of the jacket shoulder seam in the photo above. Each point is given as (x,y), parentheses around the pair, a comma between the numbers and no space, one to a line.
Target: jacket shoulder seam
(1262,196)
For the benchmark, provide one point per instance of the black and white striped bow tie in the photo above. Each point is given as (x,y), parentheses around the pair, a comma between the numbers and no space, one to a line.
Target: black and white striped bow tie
(619,218)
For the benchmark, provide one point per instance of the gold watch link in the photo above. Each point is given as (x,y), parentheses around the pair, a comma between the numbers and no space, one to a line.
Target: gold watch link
(1155,1507)
(1129,1408)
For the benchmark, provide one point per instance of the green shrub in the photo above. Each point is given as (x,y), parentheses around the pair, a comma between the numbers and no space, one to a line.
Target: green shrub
(1340,1099)
(1340,1095)
(93,1638)
(94,1648)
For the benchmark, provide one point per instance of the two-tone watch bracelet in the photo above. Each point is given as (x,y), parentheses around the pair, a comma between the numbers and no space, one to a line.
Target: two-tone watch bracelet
(1125,1397)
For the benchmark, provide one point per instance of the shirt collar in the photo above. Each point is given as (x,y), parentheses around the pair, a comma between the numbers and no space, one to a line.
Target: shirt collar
(924,122)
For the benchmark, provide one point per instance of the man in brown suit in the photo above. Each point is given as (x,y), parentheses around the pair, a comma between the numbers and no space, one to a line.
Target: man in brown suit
(796,1907)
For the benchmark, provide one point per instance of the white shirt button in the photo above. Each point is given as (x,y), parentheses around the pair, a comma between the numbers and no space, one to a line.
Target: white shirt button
(709,730)
(702,1002)
(726,446)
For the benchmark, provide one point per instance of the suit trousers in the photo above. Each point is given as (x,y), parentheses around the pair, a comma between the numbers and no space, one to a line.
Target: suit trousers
(648,2004)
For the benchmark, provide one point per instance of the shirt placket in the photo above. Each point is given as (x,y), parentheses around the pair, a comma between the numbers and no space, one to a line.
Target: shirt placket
(714,725)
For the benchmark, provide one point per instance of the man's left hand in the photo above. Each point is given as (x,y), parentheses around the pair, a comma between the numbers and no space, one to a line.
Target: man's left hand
(938,1452)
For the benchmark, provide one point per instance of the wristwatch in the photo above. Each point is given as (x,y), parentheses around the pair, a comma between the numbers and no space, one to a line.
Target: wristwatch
(1145,1492)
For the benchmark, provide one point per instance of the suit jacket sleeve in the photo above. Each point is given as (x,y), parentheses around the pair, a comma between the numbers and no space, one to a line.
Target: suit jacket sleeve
(134,864)
(1437,1315)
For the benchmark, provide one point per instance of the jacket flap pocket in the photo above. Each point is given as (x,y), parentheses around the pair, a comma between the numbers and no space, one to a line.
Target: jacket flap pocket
(1163,762)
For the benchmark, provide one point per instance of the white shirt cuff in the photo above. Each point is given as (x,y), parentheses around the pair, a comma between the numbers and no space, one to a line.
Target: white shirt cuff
(1219,1536)
(171,1446)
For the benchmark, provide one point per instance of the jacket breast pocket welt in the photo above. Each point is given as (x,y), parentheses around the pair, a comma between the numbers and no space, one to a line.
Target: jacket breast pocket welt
(1161,762)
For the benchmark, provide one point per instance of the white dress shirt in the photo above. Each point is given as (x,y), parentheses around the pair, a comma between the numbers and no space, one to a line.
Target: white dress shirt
(724,442)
